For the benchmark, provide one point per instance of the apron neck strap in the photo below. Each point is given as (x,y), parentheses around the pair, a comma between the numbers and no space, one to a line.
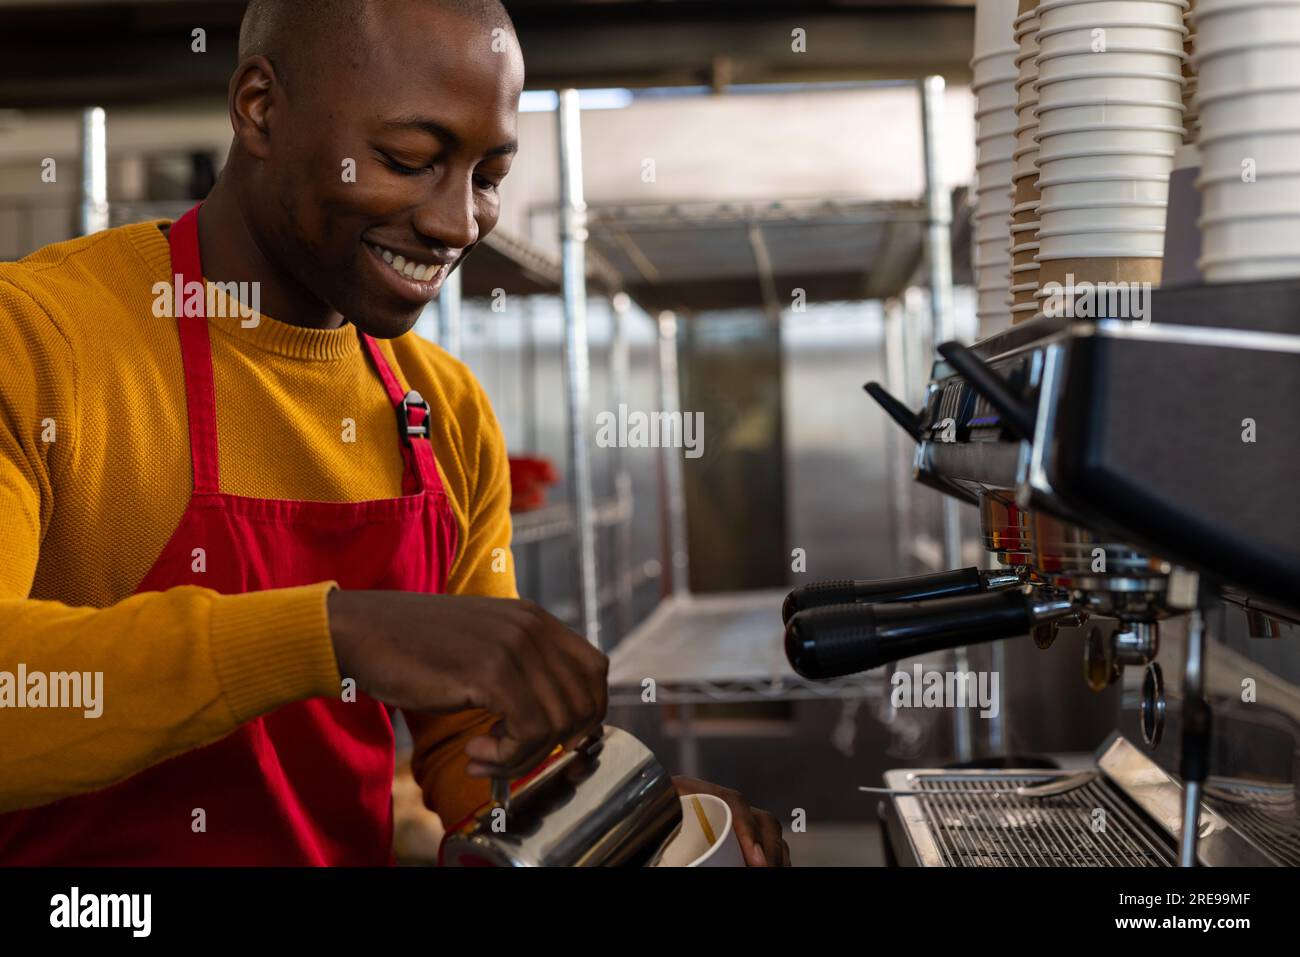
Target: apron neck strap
(196,351)
(412,411)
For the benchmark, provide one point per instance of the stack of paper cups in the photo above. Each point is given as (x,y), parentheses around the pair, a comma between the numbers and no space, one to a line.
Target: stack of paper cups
(1024,176)
(1110,78)
(1248,65)
(994,86)
(1190,116)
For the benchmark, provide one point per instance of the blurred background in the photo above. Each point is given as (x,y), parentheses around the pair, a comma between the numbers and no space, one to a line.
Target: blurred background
(757,215)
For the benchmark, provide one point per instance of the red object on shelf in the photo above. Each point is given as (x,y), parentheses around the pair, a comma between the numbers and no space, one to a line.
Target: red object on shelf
(529,477)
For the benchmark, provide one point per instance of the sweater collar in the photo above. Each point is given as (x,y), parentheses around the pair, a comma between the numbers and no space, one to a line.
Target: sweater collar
(268,335)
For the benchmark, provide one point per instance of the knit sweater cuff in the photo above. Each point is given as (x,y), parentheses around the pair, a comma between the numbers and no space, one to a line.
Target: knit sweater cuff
(273,647)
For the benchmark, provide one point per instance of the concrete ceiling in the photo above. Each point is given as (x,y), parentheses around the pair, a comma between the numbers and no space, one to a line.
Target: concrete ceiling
(68,53)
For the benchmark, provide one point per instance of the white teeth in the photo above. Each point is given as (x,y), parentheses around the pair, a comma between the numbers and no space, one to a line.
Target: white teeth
(409,268)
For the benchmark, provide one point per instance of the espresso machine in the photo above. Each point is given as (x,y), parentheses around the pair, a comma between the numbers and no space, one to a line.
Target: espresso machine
(1128,475)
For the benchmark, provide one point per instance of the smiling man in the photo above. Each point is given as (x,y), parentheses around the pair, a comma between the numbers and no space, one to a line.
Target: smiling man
(267,534)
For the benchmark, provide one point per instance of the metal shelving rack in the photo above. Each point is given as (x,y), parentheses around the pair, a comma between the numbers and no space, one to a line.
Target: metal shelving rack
(701,648)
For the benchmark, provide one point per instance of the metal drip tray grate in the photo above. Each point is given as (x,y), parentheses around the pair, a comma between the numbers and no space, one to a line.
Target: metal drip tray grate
(1265,813)
(976,819)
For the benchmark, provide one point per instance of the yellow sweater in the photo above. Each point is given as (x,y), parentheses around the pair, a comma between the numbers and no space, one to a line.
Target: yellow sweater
(95,474)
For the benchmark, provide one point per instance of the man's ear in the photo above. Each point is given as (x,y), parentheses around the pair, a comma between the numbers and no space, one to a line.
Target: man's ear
(249,99)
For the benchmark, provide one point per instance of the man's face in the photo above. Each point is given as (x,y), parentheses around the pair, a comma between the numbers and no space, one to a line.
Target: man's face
(384,168)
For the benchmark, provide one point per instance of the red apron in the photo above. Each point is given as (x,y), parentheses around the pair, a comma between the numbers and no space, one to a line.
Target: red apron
(310,783)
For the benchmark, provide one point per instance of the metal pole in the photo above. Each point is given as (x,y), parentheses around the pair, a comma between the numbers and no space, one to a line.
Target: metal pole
(938,249)
(528,389)
(573,244)
(94,171)
(449,313)
(675,495)
(619,365)
(1196,733)
(899,445)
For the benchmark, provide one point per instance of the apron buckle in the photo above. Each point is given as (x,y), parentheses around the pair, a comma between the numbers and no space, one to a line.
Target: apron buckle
(413,417)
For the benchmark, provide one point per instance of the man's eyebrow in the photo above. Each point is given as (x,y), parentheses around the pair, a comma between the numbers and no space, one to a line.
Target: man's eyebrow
(443,134)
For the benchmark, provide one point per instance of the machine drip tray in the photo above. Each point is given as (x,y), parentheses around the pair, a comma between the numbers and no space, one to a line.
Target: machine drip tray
(1122,815)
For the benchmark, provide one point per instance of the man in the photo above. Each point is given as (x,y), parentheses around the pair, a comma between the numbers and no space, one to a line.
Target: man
(248,536)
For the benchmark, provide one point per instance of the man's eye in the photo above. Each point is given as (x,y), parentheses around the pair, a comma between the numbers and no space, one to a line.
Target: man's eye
(400,168)
(483,183)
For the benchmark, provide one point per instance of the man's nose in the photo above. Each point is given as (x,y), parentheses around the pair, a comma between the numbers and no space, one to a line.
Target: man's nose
(448,216)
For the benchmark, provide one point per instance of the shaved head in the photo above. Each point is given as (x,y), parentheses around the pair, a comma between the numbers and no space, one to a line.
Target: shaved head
(285,31)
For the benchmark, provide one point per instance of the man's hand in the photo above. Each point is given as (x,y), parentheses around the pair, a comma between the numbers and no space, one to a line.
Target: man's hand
(759,832)
(444,653)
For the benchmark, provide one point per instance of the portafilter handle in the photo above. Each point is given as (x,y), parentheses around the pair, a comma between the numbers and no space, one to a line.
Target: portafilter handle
(905,417)
(845,591)
(837,640)
(1013,410)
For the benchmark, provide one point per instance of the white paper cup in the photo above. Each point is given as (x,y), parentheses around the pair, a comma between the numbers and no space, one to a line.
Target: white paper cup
(1069,219)
(995,125)
(1262,237)
(1103,37)
(993,296)
(994,191)
(1162,89)
(995,150)
(1222,27)
(992,254)
(992,30)
(1264,67)
(1253,112)
(989,303)
(992,228)
(1247,269)
(993,197)
(1026,160)
(1082,13)
(1118,165)
(988,146)
(690,847)
(990,70)
(1270,154)
(1109,140)
(1233,197)
(993,205)
(1084,64)
(993,25)
(995,97)
(1080,244)
(1028,96)
(1108,191)
(1060,119)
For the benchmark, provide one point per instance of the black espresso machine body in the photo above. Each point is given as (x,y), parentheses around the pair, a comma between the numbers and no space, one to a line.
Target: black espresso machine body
(1129,471)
